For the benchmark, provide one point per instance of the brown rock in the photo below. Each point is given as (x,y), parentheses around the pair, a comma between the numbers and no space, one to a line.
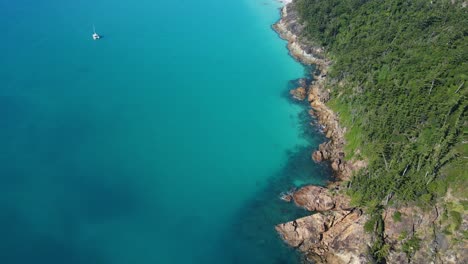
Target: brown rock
(303,232)
(312,97)
(347,241)
(336,164)
(299,93)
(314,198)
(317,156)
(333,238)
(342,202)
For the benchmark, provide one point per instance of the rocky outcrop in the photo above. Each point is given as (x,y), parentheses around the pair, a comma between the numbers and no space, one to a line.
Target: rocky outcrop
(303,233)
(334,234)
(320,199)
(299,93)
(314,198)
(336,237)
(290,29)
(317,156)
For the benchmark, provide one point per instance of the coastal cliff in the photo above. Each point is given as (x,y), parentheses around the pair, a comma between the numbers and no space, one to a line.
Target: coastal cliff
(337,232)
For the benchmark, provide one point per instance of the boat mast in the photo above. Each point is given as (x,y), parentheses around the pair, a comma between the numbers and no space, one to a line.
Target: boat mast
(94,29)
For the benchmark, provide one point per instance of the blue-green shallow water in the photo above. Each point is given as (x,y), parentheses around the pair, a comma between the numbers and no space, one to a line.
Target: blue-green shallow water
(168,141)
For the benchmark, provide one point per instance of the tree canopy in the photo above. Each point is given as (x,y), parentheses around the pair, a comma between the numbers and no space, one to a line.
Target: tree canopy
(400,74)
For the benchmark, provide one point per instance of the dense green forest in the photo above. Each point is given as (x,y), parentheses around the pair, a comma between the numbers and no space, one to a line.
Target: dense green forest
(398,82)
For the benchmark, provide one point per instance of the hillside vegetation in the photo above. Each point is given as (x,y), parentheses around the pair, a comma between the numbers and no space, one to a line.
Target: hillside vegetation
(398,83)
(402,68)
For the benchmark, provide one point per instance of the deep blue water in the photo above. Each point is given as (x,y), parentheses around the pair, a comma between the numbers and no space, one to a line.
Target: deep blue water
(167,141)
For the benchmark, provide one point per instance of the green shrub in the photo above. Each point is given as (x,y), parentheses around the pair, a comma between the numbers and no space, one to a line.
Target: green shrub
(411,245)
(369,225)
(396,216)
(465,205)
(456,219)
(403,235)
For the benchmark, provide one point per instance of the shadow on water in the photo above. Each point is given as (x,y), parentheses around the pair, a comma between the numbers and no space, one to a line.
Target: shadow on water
(52,234)
(21,243)
(251,237)
(43,210)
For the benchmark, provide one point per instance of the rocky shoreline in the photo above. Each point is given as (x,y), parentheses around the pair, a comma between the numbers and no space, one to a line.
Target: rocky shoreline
(306,52)
(335,232)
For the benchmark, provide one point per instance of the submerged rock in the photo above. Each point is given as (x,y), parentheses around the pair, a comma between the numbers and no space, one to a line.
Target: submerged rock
(299,93)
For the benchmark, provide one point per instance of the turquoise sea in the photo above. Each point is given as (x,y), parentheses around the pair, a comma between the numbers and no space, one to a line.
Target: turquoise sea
(167,141)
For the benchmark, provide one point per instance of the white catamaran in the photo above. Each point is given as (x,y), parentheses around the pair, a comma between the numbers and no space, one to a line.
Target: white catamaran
(95,35)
